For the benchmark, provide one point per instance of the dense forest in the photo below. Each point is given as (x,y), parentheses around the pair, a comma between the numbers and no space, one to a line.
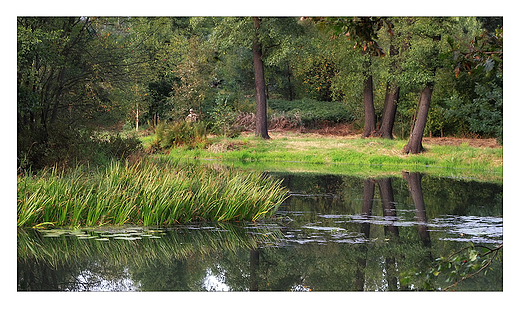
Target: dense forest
(87,86)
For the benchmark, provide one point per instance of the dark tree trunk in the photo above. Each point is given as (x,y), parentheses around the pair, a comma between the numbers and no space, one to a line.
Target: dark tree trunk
(389,110)
(290,85)
(414,183)
(415,142)
(391,99)
(57,96)
(261,100)
(370,112)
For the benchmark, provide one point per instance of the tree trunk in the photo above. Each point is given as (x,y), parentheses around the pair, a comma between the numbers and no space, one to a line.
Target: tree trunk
(389,110)
(261,100)
(391,99)
(415,142)
(370,112)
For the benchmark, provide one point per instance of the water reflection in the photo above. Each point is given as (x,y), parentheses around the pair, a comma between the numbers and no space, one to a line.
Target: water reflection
(335,233)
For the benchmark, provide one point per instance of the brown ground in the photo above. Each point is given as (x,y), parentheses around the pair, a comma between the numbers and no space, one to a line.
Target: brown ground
(455,141)
(347,131)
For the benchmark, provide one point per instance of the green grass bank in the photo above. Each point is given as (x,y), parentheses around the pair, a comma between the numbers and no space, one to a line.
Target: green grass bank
(293,151)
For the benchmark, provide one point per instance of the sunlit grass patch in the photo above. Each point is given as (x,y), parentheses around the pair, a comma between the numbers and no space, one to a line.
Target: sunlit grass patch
(317,149)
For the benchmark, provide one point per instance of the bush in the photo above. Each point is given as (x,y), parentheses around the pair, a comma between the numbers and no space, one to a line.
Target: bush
(180,133)
(311,113)
(66,147)
(222,118)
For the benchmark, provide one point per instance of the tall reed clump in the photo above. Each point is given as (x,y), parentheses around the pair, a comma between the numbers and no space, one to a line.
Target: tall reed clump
(146,193)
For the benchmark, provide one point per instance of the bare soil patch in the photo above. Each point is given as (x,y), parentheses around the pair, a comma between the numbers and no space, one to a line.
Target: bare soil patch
(347,131)
(455,141)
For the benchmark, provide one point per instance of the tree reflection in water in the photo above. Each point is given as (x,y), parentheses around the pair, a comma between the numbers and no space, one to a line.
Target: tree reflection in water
(336,233)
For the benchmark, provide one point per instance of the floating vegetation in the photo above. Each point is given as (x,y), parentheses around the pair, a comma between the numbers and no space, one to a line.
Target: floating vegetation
(147,193)
(125,244)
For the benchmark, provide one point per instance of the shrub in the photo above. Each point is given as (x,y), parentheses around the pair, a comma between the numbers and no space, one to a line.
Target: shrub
(66,147)
(222,117)
(180,133)
(312,113)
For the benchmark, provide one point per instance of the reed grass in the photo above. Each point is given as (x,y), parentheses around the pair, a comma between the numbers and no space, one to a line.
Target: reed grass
(149,193)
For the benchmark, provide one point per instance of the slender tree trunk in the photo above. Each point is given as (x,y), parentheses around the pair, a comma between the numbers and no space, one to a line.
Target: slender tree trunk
(415,142)
(261,100)
(59,91)
(291,95)
(391,99)
(370,112)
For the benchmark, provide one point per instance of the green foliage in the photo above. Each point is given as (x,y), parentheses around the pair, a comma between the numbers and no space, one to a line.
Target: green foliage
(87,72)
(65,147)
(447,272)
(319,79)
(484,114)
(222,117)
(180,133)
(312,113)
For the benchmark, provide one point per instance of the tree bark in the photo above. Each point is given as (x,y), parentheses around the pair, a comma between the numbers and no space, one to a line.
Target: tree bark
(415,142)
(261,100)
(389,111)
(370,112)
(391,99)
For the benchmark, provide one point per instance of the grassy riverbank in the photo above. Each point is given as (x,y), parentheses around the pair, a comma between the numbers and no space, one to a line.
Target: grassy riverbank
(352,153)
(150,192)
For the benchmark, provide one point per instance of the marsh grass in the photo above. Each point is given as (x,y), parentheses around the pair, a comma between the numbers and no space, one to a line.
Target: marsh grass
(149,192)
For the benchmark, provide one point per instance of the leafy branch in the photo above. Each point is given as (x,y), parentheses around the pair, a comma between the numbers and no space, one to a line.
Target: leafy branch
(484,265)
(457,267)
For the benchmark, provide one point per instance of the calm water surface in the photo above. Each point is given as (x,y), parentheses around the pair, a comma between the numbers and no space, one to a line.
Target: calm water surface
(334,233)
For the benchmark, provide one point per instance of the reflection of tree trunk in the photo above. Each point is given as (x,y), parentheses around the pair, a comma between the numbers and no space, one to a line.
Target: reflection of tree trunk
(261,100)
(387,199)
(391,231)
(254,262)
(368,199)
(414,183)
